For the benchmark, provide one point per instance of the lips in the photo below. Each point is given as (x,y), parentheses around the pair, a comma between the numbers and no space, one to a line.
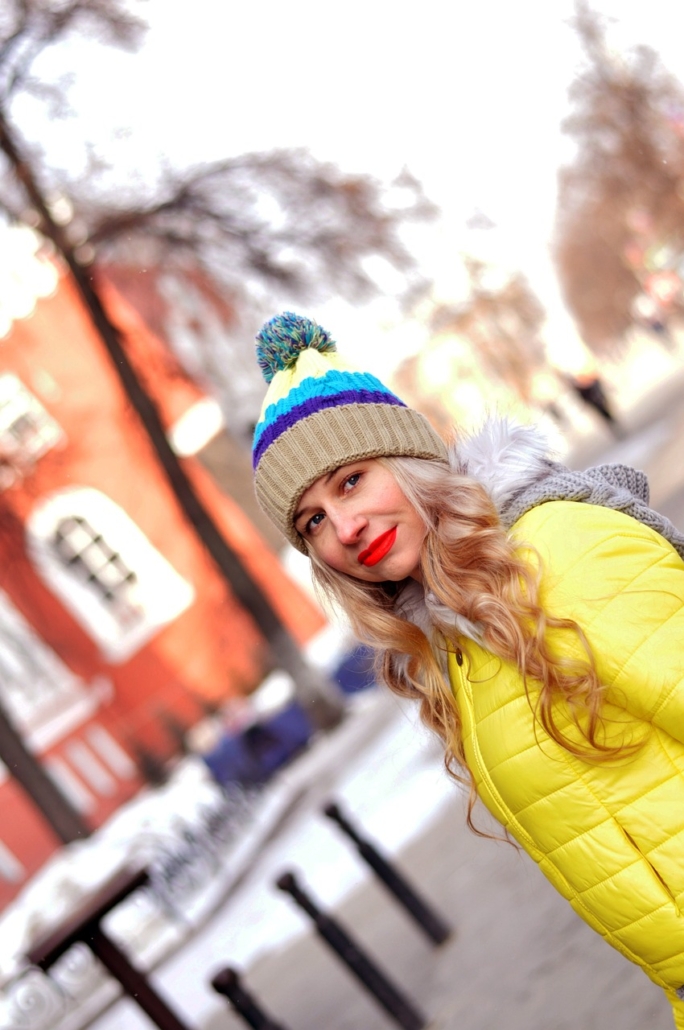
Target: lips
(378,548)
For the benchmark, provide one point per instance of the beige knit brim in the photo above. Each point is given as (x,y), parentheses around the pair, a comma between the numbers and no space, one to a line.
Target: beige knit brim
(329,439)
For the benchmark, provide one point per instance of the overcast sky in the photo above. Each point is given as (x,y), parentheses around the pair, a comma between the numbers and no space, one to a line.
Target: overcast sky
(469,96)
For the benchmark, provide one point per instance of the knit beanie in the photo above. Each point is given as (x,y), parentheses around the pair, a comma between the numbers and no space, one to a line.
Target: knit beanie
(320,414)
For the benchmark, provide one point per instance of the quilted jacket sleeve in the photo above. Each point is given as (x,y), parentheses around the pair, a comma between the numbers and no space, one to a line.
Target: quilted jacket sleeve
(624,584)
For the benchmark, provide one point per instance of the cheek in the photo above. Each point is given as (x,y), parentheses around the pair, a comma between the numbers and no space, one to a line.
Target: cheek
(328,551)
(412,518)
(419,527)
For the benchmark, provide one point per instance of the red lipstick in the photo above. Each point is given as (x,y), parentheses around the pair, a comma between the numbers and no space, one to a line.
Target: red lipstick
(378,548)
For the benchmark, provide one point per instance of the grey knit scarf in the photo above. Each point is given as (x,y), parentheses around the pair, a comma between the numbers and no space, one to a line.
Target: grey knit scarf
(612,486)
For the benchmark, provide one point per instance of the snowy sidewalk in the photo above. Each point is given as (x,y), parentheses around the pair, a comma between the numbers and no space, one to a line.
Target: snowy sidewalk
(519,959)
(385,771)
(519,956)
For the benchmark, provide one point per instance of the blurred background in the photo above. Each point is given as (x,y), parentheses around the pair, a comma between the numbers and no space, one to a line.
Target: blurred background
(484,205)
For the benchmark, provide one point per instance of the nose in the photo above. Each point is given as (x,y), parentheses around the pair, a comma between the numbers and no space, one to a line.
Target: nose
(349,527)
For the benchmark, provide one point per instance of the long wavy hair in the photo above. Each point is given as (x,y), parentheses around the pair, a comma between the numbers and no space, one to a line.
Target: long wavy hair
(476,572)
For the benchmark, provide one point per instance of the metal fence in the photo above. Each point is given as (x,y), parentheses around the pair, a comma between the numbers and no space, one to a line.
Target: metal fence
(189,871)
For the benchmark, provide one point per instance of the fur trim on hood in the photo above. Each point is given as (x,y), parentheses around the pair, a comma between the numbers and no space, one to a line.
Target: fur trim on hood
(504,457)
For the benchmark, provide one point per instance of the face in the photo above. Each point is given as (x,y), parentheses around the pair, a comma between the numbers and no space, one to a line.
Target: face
(358,521)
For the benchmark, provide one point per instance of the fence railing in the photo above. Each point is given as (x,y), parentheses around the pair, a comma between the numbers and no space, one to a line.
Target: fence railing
(188,870)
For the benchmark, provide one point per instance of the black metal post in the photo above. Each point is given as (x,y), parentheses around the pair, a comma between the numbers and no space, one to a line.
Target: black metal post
(372,978)
(427,919)
(84,926)
(227,982)
(132,980)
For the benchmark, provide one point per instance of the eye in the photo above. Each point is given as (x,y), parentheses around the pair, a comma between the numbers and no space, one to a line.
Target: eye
(313,522)
(351,481)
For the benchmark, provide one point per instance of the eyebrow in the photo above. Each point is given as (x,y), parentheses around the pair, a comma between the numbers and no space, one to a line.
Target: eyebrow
(302,511)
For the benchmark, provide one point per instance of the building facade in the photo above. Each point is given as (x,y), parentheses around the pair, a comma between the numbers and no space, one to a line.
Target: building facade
(117,633)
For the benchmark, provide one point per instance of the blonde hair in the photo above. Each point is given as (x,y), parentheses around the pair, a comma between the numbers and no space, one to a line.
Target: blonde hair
(471,565)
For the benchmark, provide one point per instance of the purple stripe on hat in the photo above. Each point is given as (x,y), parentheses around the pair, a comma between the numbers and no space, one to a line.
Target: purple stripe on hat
(314,404)
(329,385)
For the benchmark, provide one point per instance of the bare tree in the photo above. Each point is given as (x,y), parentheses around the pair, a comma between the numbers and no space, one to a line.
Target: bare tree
(218,243)
(224,243)
(261,223)
(204,226)
(502,319)
(203,222)
(24,31)
(22,764)
(622,198)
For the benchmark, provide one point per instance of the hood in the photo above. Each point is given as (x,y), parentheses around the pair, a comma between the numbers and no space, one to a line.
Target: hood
(505,457)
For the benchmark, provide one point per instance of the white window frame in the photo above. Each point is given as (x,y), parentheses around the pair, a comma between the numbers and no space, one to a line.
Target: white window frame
(11,869)
(27,431)
(40,692)
(154,596)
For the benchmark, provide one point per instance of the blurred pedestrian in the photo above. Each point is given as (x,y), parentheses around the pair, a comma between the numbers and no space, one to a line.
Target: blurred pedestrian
(535,613)
(589,387)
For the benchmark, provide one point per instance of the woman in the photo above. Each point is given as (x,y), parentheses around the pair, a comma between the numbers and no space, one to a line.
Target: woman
(536,614)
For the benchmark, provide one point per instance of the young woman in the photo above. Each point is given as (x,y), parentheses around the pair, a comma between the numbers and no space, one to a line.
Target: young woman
(535,613)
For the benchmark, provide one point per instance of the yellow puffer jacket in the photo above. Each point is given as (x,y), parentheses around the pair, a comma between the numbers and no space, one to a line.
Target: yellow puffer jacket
(609,836)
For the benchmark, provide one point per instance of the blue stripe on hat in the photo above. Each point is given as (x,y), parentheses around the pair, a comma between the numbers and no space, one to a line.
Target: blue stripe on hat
(314,388)
(269,432)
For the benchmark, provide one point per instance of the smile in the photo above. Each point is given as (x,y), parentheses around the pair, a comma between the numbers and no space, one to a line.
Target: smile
(381,546)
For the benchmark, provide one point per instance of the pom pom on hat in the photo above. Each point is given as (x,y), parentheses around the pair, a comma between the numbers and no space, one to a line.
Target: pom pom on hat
(281,340)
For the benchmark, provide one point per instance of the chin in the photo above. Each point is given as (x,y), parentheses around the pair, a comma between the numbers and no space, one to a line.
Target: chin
(397,572)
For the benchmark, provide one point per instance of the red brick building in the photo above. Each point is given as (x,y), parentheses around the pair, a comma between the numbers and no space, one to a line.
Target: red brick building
(116,631)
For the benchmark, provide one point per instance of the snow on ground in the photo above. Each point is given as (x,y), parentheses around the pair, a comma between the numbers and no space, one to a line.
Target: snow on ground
(390,793)
(152,823)
(380,766)
(390,789)
(134,835)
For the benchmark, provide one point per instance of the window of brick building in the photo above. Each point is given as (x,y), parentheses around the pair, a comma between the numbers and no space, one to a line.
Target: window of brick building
(27,431)
(36,687)
(105,570)
(85,551)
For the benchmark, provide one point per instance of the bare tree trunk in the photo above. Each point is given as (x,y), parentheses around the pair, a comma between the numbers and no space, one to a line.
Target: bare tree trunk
(321,700)
(27,770)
